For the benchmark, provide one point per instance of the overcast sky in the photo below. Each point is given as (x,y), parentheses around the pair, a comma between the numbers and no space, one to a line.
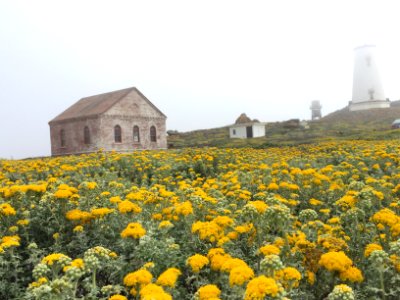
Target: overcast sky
(202,63)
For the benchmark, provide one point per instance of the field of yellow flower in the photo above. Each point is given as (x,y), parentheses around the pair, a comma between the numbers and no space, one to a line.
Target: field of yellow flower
(315,221)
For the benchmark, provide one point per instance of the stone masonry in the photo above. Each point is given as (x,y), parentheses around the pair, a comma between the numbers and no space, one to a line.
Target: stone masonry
(101,114)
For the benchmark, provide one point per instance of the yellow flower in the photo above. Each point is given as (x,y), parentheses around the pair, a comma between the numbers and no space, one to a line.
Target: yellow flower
(39,282)
(289,276)
(335,220)
(169,277)
(89,185)
(78,228)
(244,228)
(395,230)
(325,211)
(117,297)
(184,208)
(154,292)
(209,291)
(341,291)
(217,257)
(133,230)
(261,287)
(232,263)
(210,231)
(352,274)
(232,235)
(260,206)
(269,249)
(78,215)
(335,261)
(347,201)
(239,275)
(396,261)
(315,202)
(197,262)
(385,216)
(101,212)
(279,242)
(222,241)
(13,229)
(127,206)
(23,222)
(310,277)
(10,241)
(371,248)
(115,199)
(76,263)
(223,221)
(148,265)
(52,258)
(157,216)
(52,180)
(332,243)
(7,210)
(273,186)
(62,194)
(140,277)
(165,224)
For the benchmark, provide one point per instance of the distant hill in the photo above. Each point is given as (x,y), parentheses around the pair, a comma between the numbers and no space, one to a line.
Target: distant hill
(381,118)
(342,124)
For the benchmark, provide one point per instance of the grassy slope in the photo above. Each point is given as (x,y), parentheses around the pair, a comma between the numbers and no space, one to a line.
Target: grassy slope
(341,124)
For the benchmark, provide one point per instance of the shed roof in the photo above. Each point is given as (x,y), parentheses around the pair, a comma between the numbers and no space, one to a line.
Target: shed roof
(243,118)
(97,105)
(260,124)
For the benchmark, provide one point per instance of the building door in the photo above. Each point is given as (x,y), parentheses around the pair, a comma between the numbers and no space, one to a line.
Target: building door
(249,131)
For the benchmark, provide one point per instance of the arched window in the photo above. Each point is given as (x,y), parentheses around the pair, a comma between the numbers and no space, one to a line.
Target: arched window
(117,134)
(153,134)
(62,138)
(86,135)
(136,134)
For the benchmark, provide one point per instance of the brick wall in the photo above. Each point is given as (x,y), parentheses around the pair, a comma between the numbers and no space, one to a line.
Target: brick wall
(131,111)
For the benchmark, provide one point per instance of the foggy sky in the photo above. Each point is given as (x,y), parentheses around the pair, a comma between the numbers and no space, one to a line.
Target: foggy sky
(202,63)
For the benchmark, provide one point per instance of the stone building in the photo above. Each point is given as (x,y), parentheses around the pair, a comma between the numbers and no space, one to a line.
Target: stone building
(123,120)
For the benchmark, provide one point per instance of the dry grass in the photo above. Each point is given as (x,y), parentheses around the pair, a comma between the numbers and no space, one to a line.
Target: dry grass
(371,124)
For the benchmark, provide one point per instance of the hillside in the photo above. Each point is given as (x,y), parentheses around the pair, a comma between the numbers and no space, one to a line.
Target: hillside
(341,124)
(380,118)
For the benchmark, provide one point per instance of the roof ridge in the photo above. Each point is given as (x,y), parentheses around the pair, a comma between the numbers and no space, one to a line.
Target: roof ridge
(145,98)
(112,92)
(128,90)
(99,105)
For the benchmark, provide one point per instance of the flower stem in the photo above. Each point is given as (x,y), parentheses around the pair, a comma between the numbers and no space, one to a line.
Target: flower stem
(382,284)
(94,284)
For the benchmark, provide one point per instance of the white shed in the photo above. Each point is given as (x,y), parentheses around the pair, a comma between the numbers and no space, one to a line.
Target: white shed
(247,130)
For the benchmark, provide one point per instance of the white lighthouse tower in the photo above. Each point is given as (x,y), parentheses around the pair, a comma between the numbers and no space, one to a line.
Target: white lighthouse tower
(315,110)
(367,87)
